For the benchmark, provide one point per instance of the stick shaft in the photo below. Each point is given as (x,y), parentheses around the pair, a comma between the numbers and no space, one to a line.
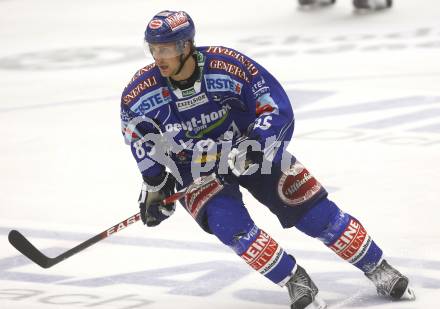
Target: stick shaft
(23,245)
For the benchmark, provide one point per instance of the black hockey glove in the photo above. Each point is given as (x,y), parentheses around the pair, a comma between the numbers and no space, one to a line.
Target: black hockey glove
(151,196)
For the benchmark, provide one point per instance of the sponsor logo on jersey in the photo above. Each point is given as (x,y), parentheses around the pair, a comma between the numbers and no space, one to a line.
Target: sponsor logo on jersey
(155,24)
(221,82)
(259,87)
(297,185)
(197,127)
(136,91)
(125,116)
(188,92)
(263,254)
(142,71)
(250,66)
(177,20)
(192,103)
(151,101)
(228,67)
(353,242)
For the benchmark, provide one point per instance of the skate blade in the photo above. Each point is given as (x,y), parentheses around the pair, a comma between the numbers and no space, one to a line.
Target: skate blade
(318,303)
(408,294)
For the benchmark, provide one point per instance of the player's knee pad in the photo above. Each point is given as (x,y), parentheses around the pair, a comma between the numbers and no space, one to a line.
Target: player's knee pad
(318,218)
(289,191)
(227,217)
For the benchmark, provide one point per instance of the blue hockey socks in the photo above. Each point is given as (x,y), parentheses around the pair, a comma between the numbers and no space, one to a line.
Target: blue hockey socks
(342,233)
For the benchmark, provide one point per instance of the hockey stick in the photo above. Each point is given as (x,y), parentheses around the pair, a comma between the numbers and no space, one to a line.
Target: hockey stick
(31,252)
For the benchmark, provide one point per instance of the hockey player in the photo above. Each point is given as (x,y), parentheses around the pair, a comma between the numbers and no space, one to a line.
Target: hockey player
(213,120)
(358,4)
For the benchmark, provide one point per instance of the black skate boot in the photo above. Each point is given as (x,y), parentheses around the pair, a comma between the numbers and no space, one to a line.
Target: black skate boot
(390,282)
(372,4)
(315,2)
(303,292)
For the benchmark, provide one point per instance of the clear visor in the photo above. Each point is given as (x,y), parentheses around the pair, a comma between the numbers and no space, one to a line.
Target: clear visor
(163,50)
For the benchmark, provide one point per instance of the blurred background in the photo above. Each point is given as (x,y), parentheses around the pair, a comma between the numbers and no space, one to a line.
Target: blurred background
(365,91)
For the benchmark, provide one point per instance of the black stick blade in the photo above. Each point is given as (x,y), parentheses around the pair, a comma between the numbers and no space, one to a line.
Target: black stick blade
(27,249)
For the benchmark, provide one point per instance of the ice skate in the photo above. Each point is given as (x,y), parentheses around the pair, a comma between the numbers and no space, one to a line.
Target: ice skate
(309,3)
(372,4)
(303,292)
(390,282)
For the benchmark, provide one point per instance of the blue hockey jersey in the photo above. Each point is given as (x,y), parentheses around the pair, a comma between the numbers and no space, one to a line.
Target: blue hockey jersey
(233,96)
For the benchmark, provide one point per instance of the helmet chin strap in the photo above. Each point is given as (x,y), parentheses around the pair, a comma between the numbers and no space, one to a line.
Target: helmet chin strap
(182,61)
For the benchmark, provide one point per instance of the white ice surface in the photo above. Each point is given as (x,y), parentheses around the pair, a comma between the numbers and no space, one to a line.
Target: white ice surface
(366,92)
